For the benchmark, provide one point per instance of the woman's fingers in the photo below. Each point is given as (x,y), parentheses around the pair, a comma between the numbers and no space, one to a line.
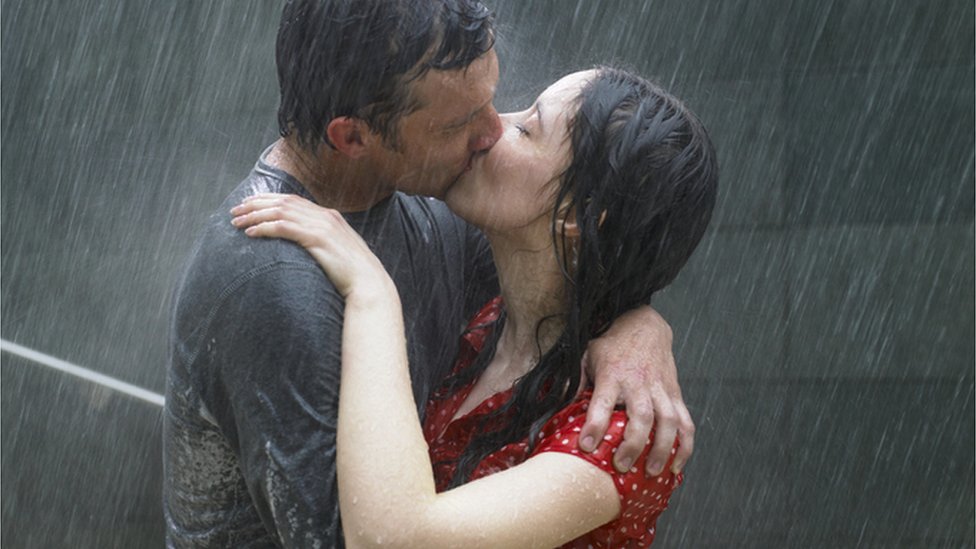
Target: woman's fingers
(276,228)
(243,219)
(323,232)
(270,207)
(340,251)
(286,202)
(257,202)
(284,197)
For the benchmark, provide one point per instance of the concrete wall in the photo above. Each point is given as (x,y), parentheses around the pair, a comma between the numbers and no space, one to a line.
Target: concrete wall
(824,329)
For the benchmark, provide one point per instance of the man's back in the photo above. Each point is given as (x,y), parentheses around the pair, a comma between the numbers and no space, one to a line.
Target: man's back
(253,386)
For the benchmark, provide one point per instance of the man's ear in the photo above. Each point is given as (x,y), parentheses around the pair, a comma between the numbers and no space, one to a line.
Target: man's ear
(347,135)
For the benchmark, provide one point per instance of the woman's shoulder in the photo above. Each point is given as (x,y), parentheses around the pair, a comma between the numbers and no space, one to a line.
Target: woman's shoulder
(642,498)
(562,433)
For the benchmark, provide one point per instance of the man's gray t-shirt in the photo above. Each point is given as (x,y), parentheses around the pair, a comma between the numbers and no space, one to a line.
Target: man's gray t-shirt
(253,384)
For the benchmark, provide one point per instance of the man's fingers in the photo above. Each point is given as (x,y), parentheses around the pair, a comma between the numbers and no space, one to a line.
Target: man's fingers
(635,438)
(640,420)
(598,416)
(664,435)
(686,431)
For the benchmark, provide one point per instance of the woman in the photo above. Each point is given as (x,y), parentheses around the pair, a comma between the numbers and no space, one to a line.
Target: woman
(593,200)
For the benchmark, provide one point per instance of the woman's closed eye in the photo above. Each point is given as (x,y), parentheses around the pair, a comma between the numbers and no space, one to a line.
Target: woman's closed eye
(522,130)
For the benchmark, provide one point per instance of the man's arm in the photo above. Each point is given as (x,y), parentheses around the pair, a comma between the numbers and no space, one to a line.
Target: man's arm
(275,347)
(632,364)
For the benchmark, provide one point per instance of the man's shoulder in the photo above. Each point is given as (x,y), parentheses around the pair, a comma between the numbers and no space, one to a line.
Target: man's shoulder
(223,245)
(223,258)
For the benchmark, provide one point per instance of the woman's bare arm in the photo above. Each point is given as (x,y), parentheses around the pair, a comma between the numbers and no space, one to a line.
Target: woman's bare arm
(386,487)
(387,494)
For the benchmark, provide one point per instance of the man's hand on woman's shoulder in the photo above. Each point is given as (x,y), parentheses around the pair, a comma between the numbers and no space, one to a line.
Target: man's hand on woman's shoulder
(632,364)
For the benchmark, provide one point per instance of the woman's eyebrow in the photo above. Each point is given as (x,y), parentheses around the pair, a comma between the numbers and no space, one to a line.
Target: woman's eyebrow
(538,113)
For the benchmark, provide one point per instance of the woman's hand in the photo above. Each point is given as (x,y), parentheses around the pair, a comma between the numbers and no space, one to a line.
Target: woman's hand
(349,263)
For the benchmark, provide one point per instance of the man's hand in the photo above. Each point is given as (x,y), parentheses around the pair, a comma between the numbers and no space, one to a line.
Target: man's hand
(632,364)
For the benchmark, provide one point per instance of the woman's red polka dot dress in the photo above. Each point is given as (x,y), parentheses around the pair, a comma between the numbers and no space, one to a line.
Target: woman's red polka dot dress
(641,499)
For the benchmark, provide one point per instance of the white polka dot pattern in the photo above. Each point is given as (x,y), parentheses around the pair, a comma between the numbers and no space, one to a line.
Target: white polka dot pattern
(641,499)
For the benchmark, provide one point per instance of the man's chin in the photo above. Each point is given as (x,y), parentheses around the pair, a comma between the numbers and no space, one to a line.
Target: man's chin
(460,176)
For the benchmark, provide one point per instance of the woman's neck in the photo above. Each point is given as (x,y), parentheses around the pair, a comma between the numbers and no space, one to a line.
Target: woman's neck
(533,288)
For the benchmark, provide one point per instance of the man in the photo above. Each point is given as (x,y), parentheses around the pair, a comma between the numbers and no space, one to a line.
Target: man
(376,96)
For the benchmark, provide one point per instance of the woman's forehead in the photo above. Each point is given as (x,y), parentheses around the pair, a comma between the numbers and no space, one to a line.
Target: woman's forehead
(569,86)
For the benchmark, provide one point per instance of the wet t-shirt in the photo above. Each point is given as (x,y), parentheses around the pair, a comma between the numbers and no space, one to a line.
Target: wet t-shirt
(642,499)
(253,382)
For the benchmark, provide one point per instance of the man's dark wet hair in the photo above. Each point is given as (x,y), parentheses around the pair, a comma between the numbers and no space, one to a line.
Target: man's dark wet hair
(641,187)
(356,58)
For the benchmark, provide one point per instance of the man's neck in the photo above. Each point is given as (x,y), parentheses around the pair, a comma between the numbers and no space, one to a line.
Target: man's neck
(332,180)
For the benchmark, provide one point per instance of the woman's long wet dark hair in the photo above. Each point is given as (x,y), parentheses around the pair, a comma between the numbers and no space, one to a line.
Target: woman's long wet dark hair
(642,186)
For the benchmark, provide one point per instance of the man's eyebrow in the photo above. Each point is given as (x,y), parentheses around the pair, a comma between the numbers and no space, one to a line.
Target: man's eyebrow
(462,121)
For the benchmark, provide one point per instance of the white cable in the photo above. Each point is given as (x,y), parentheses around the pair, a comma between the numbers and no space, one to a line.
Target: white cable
(83,373)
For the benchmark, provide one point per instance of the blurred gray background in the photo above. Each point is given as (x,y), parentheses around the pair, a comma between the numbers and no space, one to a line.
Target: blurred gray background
(824,330)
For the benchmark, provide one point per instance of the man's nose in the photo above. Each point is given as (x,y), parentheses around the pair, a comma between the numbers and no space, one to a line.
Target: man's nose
(490,134)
